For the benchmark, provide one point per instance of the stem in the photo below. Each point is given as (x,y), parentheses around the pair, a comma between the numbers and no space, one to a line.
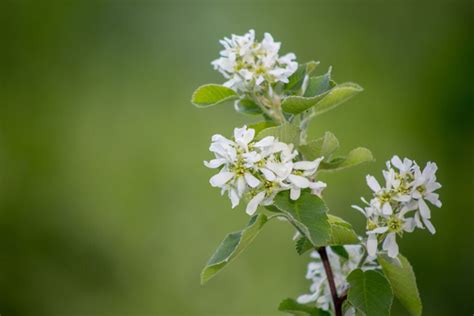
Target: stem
(332,285)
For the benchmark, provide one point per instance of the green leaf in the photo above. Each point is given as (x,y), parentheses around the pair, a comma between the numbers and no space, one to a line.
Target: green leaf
(340,251)
(355,157)
(232,245)
(342,232)
(297,104)
(247,106)
(307,214)
(370,292)
(212,94)
(403,283)
(302,245)
(260,126)
(296,79)
(289,305)
(336,96)
(318,85)
(324,146)
(287,133)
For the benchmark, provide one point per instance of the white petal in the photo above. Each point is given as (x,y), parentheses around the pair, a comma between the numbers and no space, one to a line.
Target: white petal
(373,184)
(215,163)
(270,176)
(254,202)
(295,194)
(372,245)
(390,245)
(299,181)
(424,209)
(252,181)
(241,186)
(221,178)
(234,198)
(305,165)
(387,209)
(265,142)
(397,162)
(429,225)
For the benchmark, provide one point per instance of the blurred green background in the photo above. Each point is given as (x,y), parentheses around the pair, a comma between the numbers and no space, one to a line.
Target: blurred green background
(105,207)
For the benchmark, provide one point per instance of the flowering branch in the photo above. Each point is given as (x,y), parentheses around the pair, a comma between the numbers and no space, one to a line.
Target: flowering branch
(272,167)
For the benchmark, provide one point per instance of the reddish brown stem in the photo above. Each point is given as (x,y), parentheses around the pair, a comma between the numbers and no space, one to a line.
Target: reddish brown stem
(337,301)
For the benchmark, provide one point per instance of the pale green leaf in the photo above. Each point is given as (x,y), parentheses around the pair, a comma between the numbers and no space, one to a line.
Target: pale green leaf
(342,232)
(340,251)
(336,96)
(307,214)
(318,85)
(260,126)
(232,245)
(247,106)
(296,79)
(403,281)
(287,133)
(212,94)
(297,104)
(324,146)
(355,157)
(289,305)
(370,292)
(302,245)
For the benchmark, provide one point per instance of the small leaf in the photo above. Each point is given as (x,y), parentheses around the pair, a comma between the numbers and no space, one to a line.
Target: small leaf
(318,85)
(232,245)
(289,305)
(370,292)
(355,157)
(336,96)
(212,94)
(307,214)
(296,79)
(340,251)
(302,245)
(324,146)
(297,104)
(287,133)
(260,126)
(403,282)
(247,106)
(342,232)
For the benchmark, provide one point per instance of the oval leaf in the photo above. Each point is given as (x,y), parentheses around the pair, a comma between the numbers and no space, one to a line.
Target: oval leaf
(212,94)
(355,157)
(336,96)
(307,214)
(247,106)
(287,133)
(289,305)
(232,245)
(370,292)
(296,79)
(403,281)
(324,146)
(342,232)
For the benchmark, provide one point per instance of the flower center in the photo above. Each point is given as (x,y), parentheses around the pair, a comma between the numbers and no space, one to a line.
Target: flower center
(394,224)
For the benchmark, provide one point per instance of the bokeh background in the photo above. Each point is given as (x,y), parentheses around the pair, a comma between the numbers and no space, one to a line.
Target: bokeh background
(105,207)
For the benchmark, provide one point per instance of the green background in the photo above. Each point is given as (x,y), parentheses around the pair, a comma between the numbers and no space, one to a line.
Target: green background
(105,206)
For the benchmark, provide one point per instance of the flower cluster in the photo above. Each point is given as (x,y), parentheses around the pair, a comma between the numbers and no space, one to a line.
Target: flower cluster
(247,63)
(399,206)
(320,292)
(259,169)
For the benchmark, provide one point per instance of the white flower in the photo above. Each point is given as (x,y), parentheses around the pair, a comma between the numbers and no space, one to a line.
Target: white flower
(247,64)
(400,205)
(259,169)
(320,292)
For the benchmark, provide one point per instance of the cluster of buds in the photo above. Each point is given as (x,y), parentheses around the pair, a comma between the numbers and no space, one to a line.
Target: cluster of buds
(258,170)
(249,64)
(320,292)
(399,206)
